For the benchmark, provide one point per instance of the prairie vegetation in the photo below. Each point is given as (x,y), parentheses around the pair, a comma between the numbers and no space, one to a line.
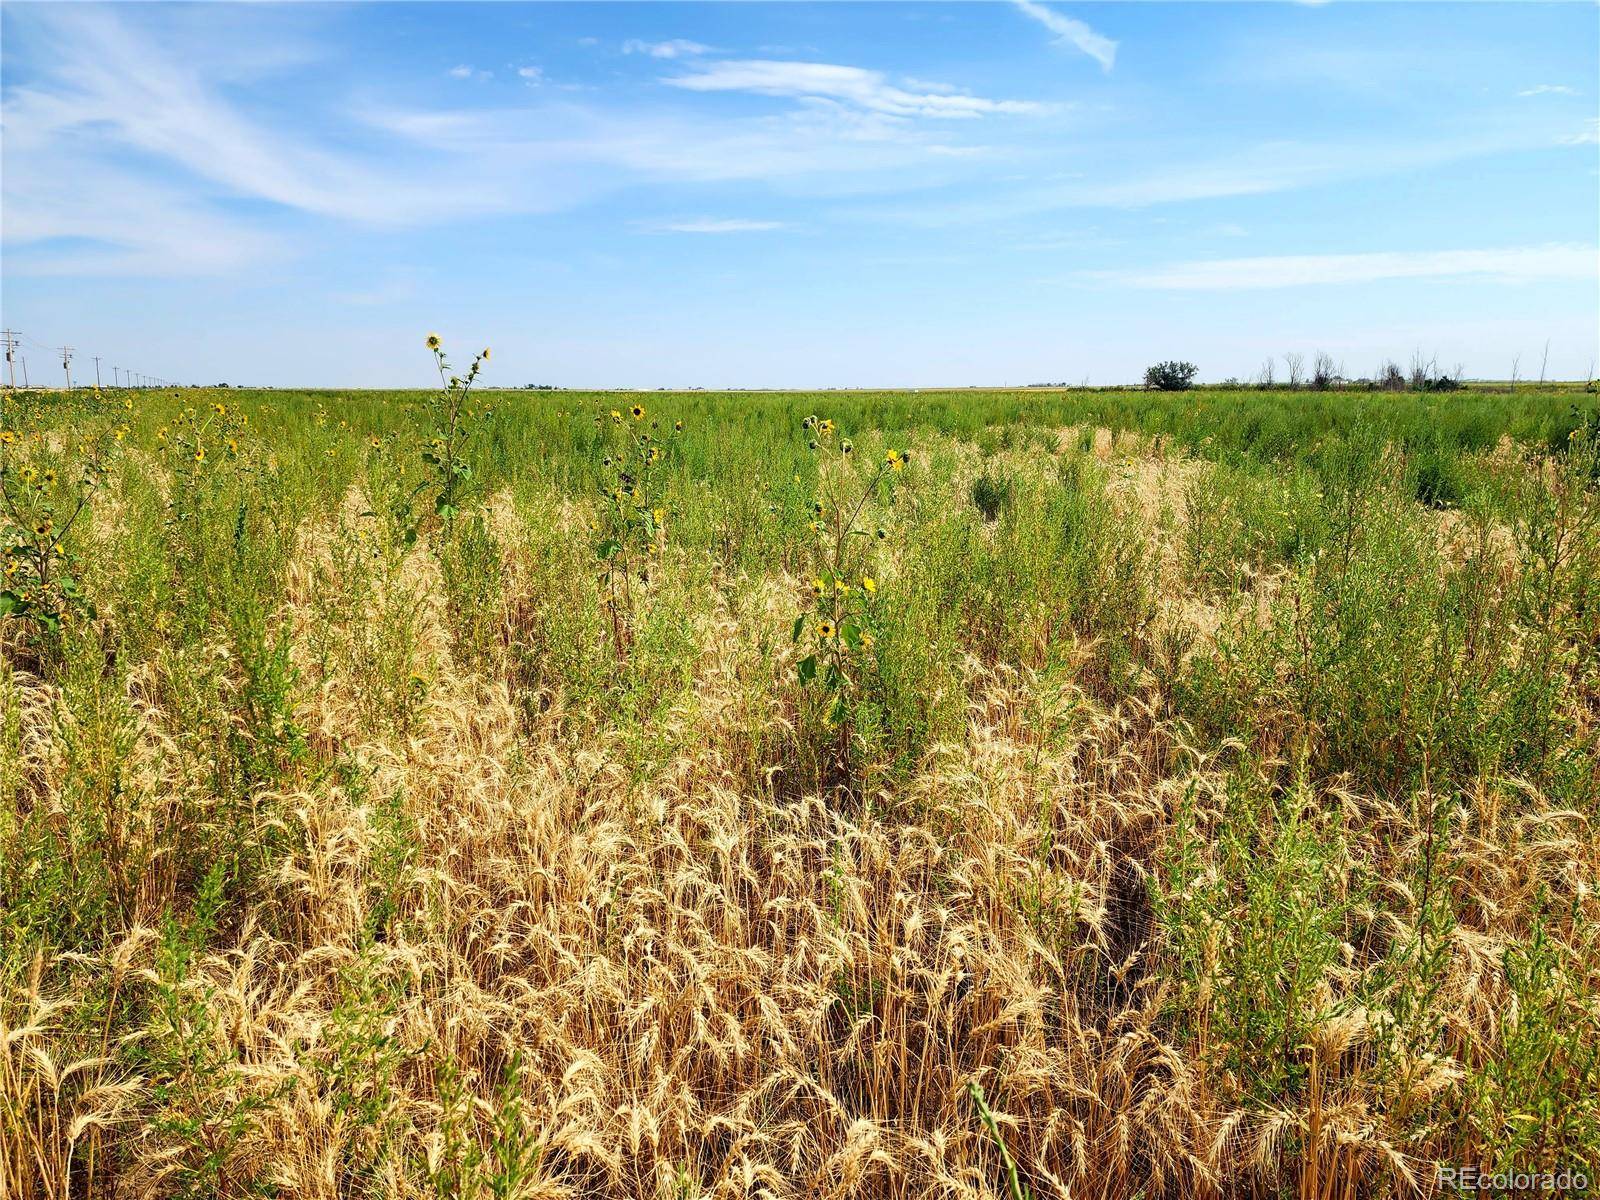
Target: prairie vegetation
(987,794)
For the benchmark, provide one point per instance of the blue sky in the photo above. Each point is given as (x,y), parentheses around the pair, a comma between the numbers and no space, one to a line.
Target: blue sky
(802,195)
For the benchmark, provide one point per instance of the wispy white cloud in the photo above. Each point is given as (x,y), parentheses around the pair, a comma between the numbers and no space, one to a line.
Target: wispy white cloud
(530,75)
(171,151)
(1263,169)
(121,91)
(858,86)
(717,225)
(929,85)
(1589,135)
(55,226)
(576,150)
(672,48)
(1549,89)
(1072,32)
(464,71)
(1517,264)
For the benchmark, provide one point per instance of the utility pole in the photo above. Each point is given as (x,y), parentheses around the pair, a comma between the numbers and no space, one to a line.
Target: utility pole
(115,376)
(24,373)
(97,372)
(66,365)
(11,346)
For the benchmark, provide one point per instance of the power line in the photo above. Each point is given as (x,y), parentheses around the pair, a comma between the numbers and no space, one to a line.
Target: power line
(14,342)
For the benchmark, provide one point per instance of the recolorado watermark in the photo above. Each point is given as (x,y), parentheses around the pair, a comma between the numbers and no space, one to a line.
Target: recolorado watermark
(1472,1181)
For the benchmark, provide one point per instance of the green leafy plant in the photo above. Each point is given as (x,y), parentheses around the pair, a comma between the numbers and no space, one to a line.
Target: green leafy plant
(202,449)
(837,628)
(633,513)
(43,495)
(1015,1188)
(453,422)
(473,1163)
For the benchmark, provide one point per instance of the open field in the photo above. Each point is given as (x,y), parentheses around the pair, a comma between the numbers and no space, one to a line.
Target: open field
(521,794)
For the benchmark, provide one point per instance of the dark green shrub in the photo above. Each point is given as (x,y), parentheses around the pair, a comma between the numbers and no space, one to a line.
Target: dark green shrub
(991,493)
(1172,376)
(1436,479)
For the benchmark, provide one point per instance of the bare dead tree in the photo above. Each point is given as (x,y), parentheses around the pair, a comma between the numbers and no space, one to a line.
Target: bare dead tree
(1296,365)
(1516,367)
(1265,378)
(1323,372)
(1545,360)
(1422,370)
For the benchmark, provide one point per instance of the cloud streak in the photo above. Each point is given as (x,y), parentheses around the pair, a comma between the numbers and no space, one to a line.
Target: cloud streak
(1589,135)
(1517,264)
(718,225)
(1071,32)
(857,86)
(672,48)
(119,91)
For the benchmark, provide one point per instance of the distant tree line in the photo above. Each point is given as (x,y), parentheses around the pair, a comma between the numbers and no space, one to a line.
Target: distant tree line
(1425,375)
